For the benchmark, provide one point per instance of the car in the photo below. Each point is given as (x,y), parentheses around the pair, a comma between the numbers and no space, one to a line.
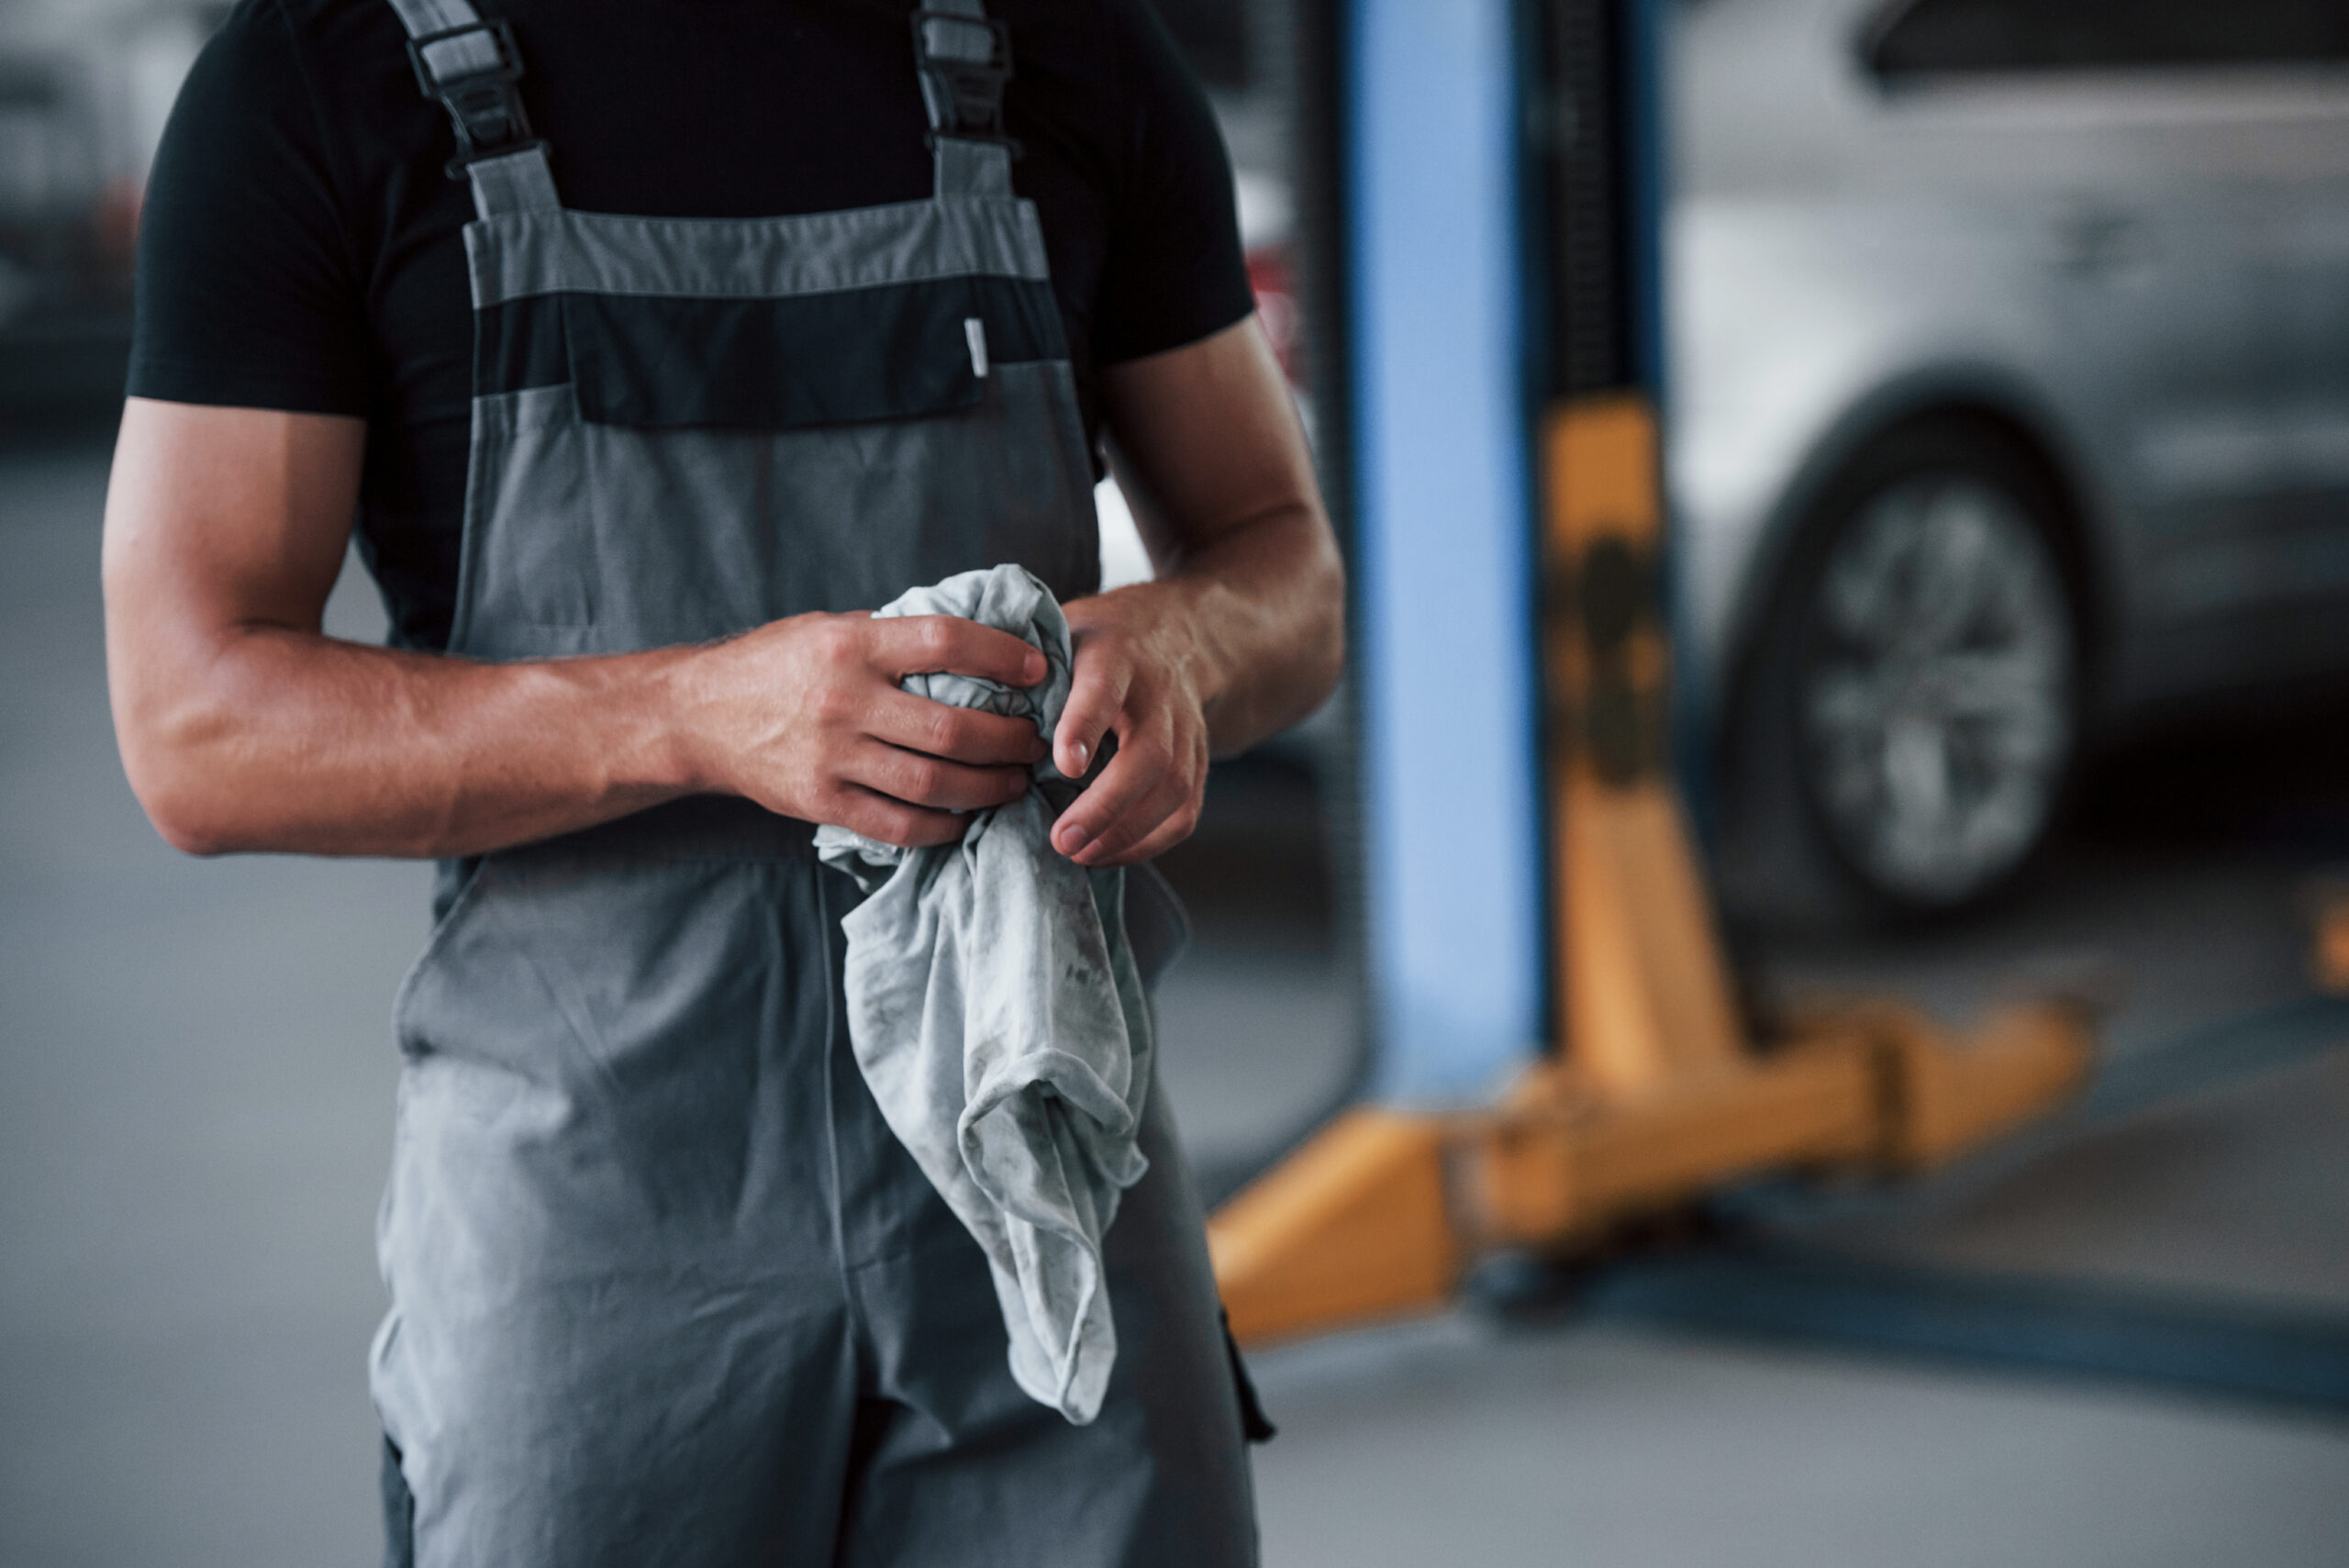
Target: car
(85,88)
(2006,391)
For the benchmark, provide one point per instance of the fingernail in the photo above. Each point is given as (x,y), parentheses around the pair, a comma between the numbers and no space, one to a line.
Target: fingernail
(1034,666)
(1072,839)
(1084,756)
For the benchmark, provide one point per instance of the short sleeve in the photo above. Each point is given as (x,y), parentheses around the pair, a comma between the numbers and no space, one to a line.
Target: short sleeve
(1174,272)
(248,292)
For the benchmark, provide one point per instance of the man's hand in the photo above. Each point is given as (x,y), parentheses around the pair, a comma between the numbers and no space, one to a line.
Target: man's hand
(1136,677)
(806,718)
(1243,631)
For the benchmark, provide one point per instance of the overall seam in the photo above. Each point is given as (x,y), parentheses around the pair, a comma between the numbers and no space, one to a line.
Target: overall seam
(853,1308)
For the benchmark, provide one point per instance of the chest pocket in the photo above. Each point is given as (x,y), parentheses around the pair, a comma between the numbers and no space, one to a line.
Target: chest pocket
(849,356)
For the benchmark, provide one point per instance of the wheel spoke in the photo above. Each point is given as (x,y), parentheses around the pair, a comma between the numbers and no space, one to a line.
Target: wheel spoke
(1864,598)
(1849,703)
(2004,685)
(1917,778)
(1959,569)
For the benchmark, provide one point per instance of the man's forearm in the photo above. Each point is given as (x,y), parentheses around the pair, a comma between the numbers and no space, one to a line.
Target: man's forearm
(1264,604)
(274,737)
(287,740)
(1242,633)
(1211,456)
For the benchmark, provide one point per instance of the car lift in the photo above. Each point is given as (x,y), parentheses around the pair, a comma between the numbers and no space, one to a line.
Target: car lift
(1654,1092)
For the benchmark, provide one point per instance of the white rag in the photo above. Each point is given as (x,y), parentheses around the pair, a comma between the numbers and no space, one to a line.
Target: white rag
(999,1016)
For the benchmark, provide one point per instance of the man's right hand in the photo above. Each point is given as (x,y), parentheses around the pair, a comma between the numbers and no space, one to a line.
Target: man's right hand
(806,716)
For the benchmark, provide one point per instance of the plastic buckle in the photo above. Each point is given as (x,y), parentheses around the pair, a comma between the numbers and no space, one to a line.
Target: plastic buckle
(483,104)
(973,88)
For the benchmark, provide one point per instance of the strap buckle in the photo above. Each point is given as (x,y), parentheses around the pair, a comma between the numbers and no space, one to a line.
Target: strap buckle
(472,71)
(964,63)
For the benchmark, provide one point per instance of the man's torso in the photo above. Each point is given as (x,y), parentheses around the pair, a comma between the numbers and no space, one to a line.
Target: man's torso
(304,244)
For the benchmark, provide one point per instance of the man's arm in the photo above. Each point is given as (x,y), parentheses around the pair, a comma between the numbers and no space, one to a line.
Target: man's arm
(243,728)
(1244,631)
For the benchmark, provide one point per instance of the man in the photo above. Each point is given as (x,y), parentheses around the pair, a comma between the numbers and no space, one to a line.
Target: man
(651,343)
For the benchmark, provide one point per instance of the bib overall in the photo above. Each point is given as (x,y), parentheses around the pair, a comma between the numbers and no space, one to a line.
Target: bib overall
(664,1288)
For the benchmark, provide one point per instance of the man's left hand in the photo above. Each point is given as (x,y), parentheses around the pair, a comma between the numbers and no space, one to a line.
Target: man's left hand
(1137,676)
(1243,630)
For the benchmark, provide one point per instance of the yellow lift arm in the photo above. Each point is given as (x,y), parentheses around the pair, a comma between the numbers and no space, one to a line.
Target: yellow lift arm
(1656,1094)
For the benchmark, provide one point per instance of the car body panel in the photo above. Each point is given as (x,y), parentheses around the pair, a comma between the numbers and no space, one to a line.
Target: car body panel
(2141,271)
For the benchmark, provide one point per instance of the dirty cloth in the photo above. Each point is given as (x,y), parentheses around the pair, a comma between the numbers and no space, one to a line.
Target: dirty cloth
(996,1009)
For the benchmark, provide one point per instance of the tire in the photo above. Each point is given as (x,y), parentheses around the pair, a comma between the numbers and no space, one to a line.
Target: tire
(1909,723)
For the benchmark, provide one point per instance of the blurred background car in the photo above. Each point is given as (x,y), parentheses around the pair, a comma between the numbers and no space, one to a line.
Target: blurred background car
(2009,384)
(85,88)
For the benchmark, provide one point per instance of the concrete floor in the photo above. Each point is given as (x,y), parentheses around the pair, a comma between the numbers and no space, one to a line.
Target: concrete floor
(2236,1194)
(195,1080)
(1452,1442)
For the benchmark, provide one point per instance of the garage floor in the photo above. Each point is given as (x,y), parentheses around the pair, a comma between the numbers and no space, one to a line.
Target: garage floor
(1456,1442)
(195,1085)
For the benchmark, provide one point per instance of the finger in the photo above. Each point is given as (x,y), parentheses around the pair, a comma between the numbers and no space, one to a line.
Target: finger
(1174,799)
(1137,778)
(922,645)
(1162,838)
(922,780)
(958,734)
(860,810)
(1115,843)
(1097,689)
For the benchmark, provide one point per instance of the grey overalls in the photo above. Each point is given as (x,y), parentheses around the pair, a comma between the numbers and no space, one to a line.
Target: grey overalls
(664,1288)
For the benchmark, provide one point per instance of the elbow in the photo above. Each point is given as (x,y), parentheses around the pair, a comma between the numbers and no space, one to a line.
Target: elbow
(187,749)
(1330,646)
(172,758)
(193,836)
(198,842)
(1323,667)
(187,816)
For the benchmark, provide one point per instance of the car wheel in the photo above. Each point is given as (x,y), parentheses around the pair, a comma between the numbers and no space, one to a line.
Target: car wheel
(1916,691)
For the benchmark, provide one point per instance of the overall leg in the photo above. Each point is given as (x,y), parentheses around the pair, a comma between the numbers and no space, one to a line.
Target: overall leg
(620,1335)
(958,1465)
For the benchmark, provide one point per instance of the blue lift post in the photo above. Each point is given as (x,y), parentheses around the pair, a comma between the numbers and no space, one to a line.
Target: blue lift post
(1557,1048)
(1459,136)
(1452,824)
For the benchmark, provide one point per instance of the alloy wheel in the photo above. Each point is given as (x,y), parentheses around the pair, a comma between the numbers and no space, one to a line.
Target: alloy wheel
(1936,691)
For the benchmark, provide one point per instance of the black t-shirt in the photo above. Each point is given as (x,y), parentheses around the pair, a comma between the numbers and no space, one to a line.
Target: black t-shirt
(301,247)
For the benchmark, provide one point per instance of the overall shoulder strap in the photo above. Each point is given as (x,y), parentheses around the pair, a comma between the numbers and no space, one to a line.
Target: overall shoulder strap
(964,58)
(471,68)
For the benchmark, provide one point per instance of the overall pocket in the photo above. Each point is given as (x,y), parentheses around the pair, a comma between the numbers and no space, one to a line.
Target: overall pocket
(850,356)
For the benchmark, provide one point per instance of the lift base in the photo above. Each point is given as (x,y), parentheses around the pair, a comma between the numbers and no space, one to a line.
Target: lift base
(1379,1215)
